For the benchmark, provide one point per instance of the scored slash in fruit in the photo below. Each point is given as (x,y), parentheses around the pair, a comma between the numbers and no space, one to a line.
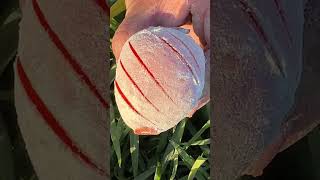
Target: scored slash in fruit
(160,77)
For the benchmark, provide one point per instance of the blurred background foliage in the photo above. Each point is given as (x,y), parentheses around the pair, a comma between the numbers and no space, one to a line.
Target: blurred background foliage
(14,160)
(180,153)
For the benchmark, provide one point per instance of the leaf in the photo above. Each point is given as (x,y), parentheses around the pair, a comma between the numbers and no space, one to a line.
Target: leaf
(157,174)
(175,163)
(6,163)
(163,141)
(314,146)
(115,138)
(9,35)
(199,133)
(112,73)
(186,158)
(14,16)
(6,95)
(183,154)
(146,174)
(117,8)
(6,60)
(177,136)
(195,167)
(201,142)
(184,178)
(134,150)
(114,24)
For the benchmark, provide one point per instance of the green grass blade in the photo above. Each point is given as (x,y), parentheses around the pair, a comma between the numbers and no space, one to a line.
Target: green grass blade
(179,131)
(184,178)
(199,133)
(314,146)
(201,142)
(112,73)
(175,164)
(183,154)
(6,95)
(7,159)
(177,136)
(118,7)
(145,175)
(14,16)
(157,175)
(163,141)
(186,158)
(115,138)
(134,150)
(195,167)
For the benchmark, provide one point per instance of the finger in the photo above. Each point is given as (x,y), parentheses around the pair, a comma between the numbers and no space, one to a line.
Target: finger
(141,15)
(192,34)
(128,27)
(173,12)
(167,12)
(200,16)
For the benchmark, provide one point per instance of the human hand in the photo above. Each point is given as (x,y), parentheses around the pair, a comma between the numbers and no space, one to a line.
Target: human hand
(144,13)
(174,13)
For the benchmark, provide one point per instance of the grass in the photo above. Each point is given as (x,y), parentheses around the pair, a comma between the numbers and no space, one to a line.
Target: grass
(14,160)
(180,153)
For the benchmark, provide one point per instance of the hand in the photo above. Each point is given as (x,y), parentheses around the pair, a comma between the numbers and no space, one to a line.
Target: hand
(169,13)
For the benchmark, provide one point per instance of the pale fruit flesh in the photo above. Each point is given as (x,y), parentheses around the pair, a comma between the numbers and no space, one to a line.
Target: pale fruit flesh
(160,77)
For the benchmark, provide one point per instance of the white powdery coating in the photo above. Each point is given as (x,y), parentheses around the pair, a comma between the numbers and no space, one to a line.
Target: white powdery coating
(170,85)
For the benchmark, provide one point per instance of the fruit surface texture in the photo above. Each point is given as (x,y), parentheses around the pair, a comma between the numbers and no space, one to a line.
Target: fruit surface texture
(160,77)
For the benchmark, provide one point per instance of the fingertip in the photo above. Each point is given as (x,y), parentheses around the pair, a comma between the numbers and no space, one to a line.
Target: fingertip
(129,26)
(118,41)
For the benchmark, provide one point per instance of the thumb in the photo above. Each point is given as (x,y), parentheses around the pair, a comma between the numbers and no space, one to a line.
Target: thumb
(141,16)
(129,26)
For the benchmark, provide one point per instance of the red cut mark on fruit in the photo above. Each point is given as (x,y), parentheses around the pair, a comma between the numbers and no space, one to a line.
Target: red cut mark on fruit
(148,70)
(184,61)
(126,100)
(194,58)
(135,85)
(284,21)
(262,34)
(104,6)
(67,56)
(52,122)
(146,131)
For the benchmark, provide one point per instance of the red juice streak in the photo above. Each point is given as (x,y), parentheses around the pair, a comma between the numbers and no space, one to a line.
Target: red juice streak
(148,70)
(284,21)
(262,34)
(184,61)
(52,122)
(126,100)
(67,56)
(194,58)
(135,84)
(103,5)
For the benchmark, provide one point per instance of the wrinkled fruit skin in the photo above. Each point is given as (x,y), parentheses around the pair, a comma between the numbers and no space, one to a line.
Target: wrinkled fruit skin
(159,79)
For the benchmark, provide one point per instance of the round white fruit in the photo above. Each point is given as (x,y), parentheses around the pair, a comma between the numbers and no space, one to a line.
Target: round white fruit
(160,77)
